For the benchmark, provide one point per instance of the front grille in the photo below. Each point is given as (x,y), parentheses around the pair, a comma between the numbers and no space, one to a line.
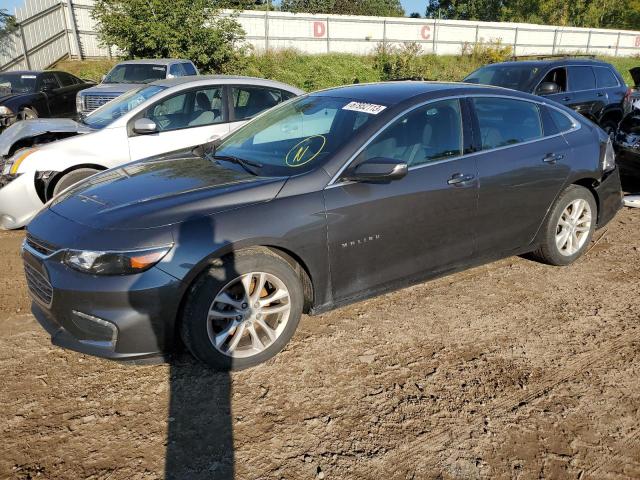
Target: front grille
(38,285)
(91,102)
(40,246)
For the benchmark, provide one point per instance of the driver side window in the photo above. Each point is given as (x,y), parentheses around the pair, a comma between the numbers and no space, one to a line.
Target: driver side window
(557,76)
(427,134)
(195,108)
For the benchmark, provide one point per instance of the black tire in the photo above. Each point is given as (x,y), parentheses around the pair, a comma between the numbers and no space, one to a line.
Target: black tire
(610,126)
(193,325)
(71,178)
(548,252)
(27,113)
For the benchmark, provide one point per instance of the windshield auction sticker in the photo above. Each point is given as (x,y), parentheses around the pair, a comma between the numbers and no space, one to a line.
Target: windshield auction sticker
(305,151)
(370,108)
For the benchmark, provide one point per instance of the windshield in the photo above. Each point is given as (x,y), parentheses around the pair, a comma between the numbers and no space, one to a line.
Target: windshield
(516,77)
(120,106)
(136,73)
(18,82)
(299,136)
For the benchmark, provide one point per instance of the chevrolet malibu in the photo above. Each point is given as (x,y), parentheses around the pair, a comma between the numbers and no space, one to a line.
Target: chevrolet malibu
(325,200)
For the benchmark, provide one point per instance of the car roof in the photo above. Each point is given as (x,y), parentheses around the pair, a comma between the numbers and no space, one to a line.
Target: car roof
(552,62)
(388,93)
(197,80)
(153,61)
(26,72)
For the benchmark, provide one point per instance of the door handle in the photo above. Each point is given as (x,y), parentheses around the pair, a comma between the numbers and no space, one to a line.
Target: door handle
(566,99)
(600,94)
(459,179)
(552,158)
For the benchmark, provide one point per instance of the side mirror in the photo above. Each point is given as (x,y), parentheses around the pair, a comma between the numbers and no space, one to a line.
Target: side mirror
(378,170)
(145,126)
(548,88)
(47,87)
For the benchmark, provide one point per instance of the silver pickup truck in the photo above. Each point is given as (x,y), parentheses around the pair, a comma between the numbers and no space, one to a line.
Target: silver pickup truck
(128,75)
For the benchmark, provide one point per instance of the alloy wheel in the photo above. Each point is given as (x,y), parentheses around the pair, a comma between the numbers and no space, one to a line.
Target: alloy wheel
(573,227)
(248,315)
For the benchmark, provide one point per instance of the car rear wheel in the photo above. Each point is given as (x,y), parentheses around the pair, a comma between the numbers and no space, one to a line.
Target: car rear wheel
(27,114)
(72,178)
(610,126)
(242,311)
(569,228)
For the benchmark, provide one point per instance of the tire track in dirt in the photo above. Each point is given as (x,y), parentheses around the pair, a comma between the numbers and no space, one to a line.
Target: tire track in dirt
(631,442)
(509,404)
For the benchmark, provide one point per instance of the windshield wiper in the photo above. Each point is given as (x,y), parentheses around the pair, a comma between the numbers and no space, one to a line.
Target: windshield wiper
(248,165)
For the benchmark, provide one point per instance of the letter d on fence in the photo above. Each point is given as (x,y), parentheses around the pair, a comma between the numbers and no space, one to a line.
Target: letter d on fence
(319,29)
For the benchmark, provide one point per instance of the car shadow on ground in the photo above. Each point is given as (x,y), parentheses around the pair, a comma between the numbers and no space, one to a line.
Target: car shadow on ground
(199,443)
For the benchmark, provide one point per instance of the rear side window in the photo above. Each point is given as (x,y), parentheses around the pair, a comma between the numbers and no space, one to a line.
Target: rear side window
(48,81)
(189,68)
(581,78)
(250,101)
(506,121)
(65,79)
(562,121)
(605,78)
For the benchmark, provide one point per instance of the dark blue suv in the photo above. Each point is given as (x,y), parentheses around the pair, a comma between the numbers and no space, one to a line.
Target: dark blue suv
(591,87)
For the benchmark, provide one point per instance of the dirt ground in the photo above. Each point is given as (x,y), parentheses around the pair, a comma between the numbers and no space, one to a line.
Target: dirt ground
(510,370)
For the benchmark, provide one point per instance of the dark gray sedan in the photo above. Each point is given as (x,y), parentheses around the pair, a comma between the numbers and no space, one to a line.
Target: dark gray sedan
(327,199)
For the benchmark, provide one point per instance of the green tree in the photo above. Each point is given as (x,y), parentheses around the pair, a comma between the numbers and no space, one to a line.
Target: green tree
(8,24)
(375,8)
(192,29)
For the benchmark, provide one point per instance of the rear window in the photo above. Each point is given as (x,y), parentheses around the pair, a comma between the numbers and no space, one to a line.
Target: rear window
(605,78)
(516,77)
(581,78)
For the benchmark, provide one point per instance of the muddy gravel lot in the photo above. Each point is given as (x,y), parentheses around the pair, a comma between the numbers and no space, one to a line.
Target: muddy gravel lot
(510,370)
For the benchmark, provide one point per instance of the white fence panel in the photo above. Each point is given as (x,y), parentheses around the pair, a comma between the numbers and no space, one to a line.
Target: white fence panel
(53,29)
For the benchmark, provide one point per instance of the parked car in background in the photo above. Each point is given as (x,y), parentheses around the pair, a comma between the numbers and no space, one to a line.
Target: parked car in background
(627,145)
(330,198)
(32,94)
(590,87)
(157,118)
(130,75)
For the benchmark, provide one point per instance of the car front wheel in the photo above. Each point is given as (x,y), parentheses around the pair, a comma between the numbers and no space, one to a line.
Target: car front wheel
(569,228)
(243,310)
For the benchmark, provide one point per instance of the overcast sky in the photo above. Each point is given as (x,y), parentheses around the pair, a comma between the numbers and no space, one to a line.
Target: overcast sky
(409,5)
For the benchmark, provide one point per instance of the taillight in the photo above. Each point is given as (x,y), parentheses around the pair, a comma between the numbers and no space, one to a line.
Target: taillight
(608,157)
(627,95)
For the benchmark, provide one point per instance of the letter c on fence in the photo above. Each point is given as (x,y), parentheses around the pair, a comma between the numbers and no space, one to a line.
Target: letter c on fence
(426,32)
(319,29)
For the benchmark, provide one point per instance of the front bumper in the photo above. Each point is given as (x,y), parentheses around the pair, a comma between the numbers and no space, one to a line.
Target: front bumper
(610,197)
(126,318)
(19,202)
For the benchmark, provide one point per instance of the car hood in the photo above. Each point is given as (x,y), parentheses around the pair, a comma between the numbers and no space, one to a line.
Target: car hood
(6,94)
(162,191)
(111,88)
(32,128)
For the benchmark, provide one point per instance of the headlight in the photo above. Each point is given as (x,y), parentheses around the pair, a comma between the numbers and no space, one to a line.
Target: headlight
(79,103)
(609,157)
(5,112)
(115,263)
(13,164)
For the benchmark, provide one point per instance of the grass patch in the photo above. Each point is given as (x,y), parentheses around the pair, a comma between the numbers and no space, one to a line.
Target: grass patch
(315,72)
